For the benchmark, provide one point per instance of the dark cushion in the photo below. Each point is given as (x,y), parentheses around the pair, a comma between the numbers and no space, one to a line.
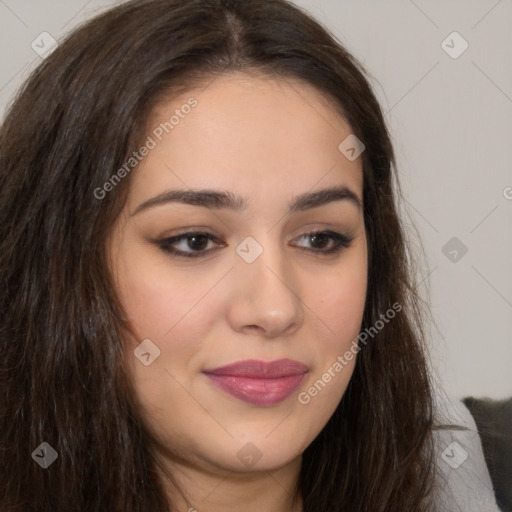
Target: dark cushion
(494,422)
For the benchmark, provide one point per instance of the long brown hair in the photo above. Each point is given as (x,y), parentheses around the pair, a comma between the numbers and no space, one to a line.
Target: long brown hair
(62,381)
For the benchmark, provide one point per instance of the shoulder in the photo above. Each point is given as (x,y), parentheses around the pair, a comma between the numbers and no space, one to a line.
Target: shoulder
(463,480)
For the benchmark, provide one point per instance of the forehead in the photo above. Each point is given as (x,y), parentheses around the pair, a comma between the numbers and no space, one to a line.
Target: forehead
(255,134)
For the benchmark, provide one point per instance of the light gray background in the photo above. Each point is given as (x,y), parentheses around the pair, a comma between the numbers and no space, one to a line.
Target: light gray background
(451,122)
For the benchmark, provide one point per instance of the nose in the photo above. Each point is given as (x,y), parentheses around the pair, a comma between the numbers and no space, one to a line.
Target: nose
(264,298)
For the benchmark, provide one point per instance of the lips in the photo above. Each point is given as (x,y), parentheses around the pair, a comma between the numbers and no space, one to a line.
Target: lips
(258,382)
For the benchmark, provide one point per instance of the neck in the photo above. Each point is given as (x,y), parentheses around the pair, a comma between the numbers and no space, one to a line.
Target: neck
(199,489)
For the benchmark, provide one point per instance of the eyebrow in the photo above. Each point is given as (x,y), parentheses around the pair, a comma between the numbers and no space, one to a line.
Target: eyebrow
(220,199)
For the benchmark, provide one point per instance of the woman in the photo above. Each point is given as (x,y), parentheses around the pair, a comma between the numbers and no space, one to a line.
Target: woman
(208,298)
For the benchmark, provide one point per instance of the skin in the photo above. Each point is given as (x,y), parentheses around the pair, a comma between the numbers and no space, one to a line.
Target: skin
(267,140)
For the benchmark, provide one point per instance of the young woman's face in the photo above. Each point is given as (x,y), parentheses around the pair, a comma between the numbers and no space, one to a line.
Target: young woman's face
(250,283)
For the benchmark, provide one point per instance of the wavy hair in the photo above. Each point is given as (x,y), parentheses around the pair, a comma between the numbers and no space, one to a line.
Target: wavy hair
(74,122)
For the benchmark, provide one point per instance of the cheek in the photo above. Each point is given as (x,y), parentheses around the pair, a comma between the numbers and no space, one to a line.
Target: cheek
(339,300)
(159,302)
(340,303)
(173,312)
(343,307)
(340,307)
(171,319)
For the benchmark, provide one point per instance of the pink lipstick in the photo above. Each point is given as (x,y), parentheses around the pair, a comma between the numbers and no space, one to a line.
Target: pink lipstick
(259,382)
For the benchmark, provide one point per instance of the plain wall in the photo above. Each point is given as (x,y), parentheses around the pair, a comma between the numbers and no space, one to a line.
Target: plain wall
(451,123)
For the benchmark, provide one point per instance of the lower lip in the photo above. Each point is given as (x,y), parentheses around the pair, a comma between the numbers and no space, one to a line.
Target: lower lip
(262,392)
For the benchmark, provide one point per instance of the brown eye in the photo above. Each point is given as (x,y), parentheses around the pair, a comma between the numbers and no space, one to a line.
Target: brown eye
(320,241)
(197,242)
(188,245)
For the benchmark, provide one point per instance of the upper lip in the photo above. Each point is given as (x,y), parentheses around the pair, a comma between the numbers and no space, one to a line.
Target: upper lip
(252,368)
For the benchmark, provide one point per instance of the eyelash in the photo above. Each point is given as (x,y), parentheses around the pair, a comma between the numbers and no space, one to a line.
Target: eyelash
(342,241)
